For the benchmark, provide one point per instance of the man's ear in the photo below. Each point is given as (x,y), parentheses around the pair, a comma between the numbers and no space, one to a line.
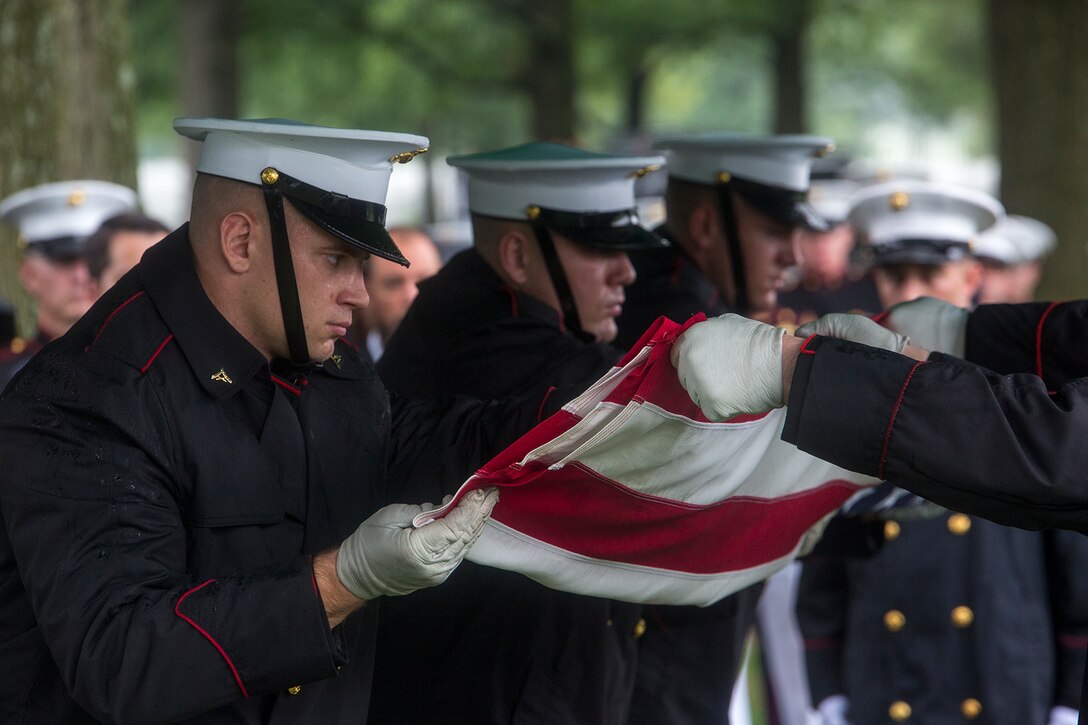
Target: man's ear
(703,225)
(972,277)
(28,276)
(515,252)
(236,240)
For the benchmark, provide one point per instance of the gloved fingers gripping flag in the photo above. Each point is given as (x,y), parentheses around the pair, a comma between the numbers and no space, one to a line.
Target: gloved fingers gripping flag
(630,493)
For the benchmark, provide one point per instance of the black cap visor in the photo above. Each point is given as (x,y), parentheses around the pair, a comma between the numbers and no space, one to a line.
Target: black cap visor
(62,250)
(357,222)
(784,205)
(609,231)
(929,252)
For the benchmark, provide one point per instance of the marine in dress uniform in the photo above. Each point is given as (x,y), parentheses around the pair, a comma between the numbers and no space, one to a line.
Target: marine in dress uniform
(1014,251)
(734,206)
(170,491)
(985,630)
(496,646)
(54,222)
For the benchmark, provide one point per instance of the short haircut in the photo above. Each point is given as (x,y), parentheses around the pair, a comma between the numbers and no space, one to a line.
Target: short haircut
(97,249)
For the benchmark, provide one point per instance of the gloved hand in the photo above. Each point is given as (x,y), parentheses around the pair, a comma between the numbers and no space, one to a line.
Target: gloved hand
(854,327)
(730,365)
(1062,715)
(930,324)
(386,555)
(832,710)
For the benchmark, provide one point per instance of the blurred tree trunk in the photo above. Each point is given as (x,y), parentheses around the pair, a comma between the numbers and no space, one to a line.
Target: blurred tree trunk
(67,94)
(788,50)
(549,78)
(208,79)
(637,83)
(1039,62)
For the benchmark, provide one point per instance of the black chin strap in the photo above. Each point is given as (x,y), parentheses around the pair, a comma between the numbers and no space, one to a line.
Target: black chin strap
(285,271)
(740,302)
(558,275)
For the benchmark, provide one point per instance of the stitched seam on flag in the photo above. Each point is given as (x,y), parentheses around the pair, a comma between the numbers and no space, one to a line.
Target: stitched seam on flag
(891,421)
(604,433)
(674,573)
(1039,339)
(552,451)
(601,389)
(704,425)
(735,498)
(218,647)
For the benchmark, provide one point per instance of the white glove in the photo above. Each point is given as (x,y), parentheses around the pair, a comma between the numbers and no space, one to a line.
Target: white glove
(1062,715)
(731,365)
(832,710)
(386,555)
(854,327)
(931,324)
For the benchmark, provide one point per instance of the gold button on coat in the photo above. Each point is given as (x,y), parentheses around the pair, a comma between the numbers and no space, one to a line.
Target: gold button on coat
(891,530)
(640,628)
(294,690)
(959,524)
(894,620)
(899,711)
(971,708)
(962,617)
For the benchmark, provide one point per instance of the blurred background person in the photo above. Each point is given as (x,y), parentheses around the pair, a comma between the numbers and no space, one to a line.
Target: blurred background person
(54,222)
(117,246)
(1013,252)
(955,618)
(392,288)
(831,275)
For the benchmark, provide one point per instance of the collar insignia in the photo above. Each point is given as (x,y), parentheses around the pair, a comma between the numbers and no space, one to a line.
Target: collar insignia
(336,358)
(222,377)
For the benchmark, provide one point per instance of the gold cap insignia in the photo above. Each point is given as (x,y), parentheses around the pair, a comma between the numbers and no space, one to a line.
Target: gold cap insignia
(639,173)
(77,197)
(899,201)
(824,151)
(222,377)
(406,156)
(270,176)
(532,213)
(724,177)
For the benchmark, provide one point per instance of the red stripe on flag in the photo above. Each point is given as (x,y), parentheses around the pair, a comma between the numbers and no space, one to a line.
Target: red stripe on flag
(578,510)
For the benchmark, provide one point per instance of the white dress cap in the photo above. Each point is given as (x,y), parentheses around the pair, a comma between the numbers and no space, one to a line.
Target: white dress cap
(923,222)
(65,209)
(784,162)
(351,162)
(1016,240)
(508,182)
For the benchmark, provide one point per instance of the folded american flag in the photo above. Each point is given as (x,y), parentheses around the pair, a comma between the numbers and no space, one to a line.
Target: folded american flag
(630,493)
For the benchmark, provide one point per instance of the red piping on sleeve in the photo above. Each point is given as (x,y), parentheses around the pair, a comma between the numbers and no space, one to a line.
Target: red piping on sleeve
(286,385)
(891,421)
(804,345)
(540,410)
(879,317)
(112,314)
(151,359)
(513,301)
(1039,338)
(1072,641)
(198,628)
(817,643)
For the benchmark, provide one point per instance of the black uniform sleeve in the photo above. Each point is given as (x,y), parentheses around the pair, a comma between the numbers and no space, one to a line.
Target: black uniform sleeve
(88,493)
(1067,560)
(822,596)
(1047,339)
(1001,447)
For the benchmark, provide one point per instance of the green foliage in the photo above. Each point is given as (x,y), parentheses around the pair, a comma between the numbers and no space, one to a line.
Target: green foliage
(456,70)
